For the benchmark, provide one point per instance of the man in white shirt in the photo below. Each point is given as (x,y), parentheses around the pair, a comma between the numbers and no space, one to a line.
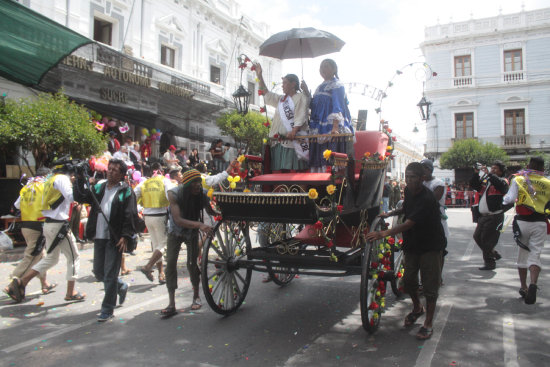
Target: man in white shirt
(57,199)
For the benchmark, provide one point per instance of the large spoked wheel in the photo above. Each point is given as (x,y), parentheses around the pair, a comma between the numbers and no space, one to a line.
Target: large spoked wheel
(281,275)
(398,267)
(372,287)
(224,282)
(397,256)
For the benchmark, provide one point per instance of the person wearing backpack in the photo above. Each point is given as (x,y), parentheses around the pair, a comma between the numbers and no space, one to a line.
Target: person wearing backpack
(29,203)
(112,225)
(56,201)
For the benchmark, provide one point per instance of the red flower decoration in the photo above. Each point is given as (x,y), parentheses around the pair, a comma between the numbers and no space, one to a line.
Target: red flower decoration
(253,67)
(217,218)
(389,130)
(393,138)
(374,264)
(266,124)
(381,157)
(246,59)
(330,244)
(242,66)
(434,73)
(261,92)
(371,322)
(318,225)
(329,169)
(391,240)
(276,136)
(388,154)
(243,174)
(339,208)
(373,306)
(400,241)
(399,274)
(262,109)
(381,276)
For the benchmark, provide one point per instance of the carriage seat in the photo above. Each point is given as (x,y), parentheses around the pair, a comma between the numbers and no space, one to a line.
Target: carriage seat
(369,141)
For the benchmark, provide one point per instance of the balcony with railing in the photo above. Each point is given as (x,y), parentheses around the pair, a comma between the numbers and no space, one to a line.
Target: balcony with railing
(513,76)
(515,141)
(463,81)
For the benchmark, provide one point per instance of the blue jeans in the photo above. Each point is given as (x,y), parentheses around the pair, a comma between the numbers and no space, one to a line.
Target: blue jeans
(107,260)
(385,204)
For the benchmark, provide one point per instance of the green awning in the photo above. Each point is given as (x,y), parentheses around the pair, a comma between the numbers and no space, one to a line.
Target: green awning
(31,44)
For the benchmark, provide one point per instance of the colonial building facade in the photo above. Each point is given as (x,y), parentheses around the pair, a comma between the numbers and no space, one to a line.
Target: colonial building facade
(493,83)
(164,64)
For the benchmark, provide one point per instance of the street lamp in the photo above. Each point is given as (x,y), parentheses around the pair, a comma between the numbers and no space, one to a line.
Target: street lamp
(424,107)
(241,97)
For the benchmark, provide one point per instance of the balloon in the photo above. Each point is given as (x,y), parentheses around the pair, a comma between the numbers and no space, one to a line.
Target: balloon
(143,179)
(144,131)
(167,176)
(105,120)
(136,175)
(111,123)
(143,137)
(100,166)
(153,131)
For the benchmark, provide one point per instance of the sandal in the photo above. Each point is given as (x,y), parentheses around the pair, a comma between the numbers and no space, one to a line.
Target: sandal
(168,312)
(522,292)
(125,272)
(196,305)
(162,279)
(424,333)
(411,318)
(76,297)
(148,274)
(16,291)
(48,289)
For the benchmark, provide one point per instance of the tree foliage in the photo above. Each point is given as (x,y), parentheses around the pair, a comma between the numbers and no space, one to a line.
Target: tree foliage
(468,152)
(49,126)
(248,131)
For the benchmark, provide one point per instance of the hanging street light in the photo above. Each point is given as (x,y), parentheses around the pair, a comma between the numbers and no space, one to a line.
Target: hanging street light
(415,130)
(241,97)
(424,107)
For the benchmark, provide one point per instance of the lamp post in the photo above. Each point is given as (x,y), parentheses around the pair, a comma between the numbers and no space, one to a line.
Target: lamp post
(424,108)
(241,97)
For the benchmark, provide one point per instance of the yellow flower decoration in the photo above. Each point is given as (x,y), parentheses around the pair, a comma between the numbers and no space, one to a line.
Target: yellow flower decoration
(327,153)
(246,190)
(380,256)
(376,316)
(238,251)
(264,140)
(313,194)
(241,158)
(210,193)
(233,181)
(331,189)
(389,147)
(375,276)
(367,154)
(256,80)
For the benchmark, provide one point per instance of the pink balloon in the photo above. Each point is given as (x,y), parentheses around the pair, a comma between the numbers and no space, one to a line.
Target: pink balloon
(105,120)
(136,175)
(100,166)
(111,123)
(167,176)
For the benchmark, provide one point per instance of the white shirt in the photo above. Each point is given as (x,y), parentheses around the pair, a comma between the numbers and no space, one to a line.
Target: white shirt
(216,179)
(62,184)
(512,194)
(102,229)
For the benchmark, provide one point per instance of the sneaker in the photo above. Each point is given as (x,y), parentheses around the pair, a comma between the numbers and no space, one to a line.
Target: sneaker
(497,255)
(103,317)
(522,292)
(488,267)
(531,296)
(122,291)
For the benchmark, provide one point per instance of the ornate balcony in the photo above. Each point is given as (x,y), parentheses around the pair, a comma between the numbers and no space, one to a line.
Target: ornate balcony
(513,76)
(515,141)
(463,81)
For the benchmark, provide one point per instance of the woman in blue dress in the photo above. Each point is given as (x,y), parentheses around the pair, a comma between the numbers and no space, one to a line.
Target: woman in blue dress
(329,115)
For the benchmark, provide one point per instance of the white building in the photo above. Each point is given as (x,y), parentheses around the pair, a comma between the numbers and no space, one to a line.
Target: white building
(405,152)
(493,83)
(185,49)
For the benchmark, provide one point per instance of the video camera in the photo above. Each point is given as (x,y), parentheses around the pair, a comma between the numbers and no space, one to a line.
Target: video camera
(79,167)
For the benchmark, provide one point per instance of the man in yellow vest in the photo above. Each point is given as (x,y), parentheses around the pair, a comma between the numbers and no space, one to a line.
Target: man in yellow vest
(29,203)
(532,191)
(152,194)
(56,201)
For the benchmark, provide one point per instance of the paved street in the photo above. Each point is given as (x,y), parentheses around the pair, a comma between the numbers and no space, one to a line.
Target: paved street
(481,321)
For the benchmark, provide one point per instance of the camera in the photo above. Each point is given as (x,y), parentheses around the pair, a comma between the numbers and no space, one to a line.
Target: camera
(79,167)
(478,166)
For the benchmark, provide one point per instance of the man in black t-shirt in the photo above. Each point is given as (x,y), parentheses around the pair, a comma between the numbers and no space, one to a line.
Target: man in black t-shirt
(423,244)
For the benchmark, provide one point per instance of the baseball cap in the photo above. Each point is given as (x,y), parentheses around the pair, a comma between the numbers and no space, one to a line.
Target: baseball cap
(427,164)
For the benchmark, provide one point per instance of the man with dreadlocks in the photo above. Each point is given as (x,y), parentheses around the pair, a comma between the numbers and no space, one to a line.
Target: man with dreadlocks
(185,221)
(532,191)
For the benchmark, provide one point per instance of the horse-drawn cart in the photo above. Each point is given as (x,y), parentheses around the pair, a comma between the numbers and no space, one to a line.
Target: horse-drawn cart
(307,223)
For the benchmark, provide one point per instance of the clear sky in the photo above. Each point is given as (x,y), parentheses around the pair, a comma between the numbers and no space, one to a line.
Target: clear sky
(381,37)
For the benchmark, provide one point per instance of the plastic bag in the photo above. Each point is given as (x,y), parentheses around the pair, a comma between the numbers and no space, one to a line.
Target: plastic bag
(5,242)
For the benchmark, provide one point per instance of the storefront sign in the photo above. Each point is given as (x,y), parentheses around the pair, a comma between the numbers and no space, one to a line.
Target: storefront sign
(112,95)
(174,90)
(119,74)
(78,62)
